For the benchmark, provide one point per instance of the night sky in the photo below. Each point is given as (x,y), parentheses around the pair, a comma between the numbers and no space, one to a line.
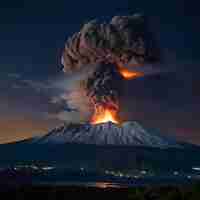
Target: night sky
(32,36)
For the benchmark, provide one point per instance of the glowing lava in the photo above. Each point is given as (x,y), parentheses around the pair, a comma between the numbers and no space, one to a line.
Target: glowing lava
(127,74)
(105,115)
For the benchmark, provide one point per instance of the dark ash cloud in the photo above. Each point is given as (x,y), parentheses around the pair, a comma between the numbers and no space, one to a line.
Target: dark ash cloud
(125,40)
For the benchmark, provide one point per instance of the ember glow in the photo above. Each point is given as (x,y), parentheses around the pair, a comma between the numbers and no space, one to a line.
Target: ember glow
(127,74)
(105,114)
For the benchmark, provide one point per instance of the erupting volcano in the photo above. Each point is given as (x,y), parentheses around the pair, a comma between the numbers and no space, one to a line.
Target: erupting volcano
(99,140)
(96,143)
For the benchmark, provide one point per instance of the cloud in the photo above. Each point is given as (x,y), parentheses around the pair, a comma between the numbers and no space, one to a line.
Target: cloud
(65,116)
(14,75)
(124,40)
(38,85)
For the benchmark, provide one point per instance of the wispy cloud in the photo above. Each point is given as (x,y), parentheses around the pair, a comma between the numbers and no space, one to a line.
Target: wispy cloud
(66,117)
(14,75)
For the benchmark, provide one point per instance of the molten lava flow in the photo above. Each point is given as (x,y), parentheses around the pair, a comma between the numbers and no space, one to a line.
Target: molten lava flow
(127,74)
(105,114)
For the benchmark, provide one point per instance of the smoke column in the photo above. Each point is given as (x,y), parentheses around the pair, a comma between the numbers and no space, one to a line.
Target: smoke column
(106,53)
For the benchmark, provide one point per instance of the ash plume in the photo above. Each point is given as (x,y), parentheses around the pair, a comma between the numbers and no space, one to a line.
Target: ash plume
(124,40)
(100,48)
(103,88)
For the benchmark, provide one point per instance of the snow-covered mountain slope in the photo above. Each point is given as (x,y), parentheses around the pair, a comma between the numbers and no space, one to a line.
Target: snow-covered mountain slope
(129,133)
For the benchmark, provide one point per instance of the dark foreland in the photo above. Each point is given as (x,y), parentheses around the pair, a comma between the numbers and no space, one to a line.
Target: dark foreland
(191,192)
(126,155)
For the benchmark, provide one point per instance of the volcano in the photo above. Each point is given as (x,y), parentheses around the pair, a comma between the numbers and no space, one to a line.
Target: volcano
(129,133)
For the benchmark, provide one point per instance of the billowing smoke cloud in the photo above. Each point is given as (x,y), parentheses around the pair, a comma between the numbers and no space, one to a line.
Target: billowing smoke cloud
(124,40)
(98,50)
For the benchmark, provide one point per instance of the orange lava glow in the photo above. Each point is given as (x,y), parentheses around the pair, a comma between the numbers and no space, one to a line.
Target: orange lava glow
(105,115)
(127,74)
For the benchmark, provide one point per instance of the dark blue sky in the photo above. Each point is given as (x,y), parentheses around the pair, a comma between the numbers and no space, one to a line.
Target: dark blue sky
(32,35)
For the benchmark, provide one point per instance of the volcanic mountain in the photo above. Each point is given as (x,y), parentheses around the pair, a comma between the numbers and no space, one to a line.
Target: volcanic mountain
(127,134)
(125,147)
